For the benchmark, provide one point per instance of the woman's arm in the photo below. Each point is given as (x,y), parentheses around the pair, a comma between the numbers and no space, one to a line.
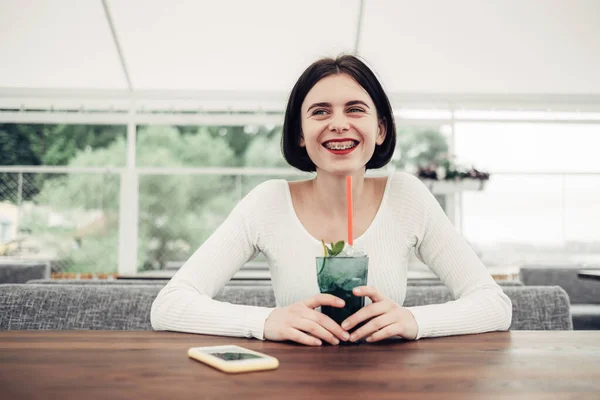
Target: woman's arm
(481,305)
(186,303)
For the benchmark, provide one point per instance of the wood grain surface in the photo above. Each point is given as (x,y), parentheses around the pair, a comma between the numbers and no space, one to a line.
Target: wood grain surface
(144,365)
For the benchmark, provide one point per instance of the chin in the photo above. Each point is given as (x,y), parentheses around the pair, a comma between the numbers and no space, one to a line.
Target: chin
(341,170)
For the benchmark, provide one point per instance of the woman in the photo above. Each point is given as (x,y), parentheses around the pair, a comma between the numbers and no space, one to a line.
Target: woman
(338,122)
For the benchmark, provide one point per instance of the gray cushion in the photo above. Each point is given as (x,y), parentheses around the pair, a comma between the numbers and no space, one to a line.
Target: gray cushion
(580,291)
(161,282)
(21,272)
(76,307)
(92,307)
(127,307)
(438,282)
(411,282)
(534,307)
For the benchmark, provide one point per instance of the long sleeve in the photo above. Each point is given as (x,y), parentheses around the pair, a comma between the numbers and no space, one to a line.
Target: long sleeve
(186,303)
(480,305)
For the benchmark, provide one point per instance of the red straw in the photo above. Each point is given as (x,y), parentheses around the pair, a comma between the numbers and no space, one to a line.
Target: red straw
(349,207)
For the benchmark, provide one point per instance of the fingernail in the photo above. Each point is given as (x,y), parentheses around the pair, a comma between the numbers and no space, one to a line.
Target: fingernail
(357,291)
(340,302)
(345,324)
(336,342)
(318,342)
(369,339)
(346,335)
(352,338)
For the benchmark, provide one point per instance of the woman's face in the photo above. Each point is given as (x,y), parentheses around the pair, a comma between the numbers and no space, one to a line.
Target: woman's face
(340,127)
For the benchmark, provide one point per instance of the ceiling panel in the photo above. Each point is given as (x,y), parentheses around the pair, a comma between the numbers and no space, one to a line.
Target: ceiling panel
(473,46)
(57,44)
(229,45)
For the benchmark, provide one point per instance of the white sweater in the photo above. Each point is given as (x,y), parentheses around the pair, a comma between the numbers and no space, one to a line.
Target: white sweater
(265,221)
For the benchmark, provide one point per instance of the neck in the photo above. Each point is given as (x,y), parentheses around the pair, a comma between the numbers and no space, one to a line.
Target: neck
(330,192)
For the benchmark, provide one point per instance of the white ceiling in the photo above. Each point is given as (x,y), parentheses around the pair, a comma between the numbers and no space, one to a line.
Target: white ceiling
(492,46)
(539,48)
(57,44)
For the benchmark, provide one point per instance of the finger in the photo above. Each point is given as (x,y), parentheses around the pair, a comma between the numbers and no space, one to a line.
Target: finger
(300,337)
(323,299)
(316,330)
(373,326)
(365,313)
(370,292)
(327,323)
(387,332)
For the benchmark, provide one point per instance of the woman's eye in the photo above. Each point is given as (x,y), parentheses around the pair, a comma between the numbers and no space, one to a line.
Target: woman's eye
(355,109)
(319,112)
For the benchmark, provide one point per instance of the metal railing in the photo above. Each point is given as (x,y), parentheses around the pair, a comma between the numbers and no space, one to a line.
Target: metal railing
(568,199)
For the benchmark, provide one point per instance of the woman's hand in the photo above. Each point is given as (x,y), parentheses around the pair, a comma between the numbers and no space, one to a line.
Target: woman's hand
(387,318)
(300,322)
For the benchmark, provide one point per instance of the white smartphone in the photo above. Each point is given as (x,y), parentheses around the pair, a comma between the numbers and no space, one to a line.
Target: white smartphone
(233,359)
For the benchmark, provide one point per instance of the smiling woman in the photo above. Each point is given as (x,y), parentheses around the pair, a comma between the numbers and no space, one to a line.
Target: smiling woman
(338,123)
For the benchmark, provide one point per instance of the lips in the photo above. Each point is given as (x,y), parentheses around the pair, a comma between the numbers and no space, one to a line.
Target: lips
(340,146)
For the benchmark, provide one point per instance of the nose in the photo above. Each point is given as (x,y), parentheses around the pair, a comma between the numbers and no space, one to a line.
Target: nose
(339,123)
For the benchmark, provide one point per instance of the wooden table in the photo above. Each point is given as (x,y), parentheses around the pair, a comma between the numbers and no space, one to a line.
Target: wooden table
(593,274)
(141,365)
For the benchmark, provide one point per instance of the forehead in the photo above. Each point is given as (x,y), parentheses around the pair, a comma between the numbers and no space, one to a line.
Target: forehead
(336,89)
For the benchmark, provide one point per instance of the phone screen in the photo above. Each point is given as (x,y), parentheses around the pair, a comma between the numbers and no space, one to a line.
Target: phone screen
(234,356)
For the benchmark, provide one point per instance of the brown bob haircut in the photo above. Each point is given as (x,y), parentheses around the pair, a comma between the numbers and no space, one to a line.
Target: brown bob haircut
(296,155)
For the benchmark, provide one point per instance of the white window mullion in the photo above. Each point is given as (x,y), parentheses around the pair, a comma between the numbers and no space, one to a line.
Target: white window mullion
(129,205)
(453,200)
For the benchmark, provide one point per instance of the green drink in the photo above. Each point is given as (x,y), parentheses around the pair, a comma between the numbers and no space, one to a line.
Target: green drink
(338,276)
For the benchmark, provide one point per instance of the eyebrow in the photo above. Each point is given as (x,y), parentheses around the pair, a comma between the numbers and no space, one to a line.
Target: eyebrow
(350,103)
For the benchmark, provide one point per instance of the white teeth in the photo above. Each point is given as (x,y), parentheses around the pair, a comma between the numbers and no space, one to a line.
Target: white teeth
(340,145)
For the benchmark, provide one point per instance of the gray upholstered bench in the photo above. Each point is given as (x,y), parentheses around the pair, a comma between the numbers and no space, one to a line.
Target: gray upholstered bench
(411,282)
(22,271)
(96,307)
(438,282)
(127,307)
(160,282)
(152,282)
(583,293)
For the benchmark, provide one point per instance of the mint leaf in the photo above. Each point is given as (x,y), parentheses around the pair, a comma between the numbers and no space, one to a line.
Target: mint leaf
(334,249)
(331,252)
(338,247)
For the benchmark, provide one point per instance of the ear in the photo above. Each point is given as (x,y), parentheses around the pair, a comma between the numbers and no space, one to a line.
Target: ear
(302,144)
(381,132)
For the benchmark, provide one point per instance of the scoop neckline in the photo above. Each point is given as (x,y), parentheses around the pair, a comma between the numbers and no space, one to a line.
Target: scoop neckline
(288,195)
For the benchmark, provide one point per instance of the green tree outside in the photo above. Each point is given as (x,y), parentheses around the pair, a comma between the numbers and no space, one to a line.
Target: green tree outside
(419,147)
(37,144)
(176,213)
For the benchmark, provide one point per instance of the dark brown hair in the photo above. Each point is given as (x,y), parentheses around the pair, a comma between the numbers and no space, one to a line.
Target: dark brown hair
(296,155)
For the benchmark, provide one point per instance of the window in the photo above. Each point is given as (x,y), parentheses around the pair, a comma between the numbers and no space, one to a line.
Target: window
(542,203)
(69,216)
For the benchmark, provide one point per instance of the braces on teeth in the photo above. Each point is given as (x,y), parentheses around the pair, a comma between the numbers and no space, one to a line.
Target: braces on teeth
(340,146)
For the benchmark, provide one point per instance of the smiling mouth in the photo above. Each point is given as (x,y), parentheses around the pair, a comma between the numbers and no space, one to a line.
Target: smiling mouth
(341,147)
